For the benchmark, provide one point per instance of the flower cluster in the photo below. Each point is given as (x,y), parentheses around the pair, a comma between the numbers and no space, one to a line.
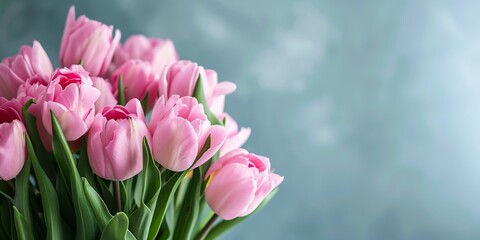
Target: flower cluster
(90,114)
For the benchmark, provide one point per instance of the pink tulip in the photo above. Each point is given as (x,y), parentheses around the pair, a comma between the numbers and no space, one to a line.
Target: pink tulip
(71,97)
(12,139)
(215,92)
(238,183)
(88,42)
(29,62)
(33,88)
(106,99)
(138,79)
(115,141)
(181,77)
(235,138)
(158,52)
(179,130)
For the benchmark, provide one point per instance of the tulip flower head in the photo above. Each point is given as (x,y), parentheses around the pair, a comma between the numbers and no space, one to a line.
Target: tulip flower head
(238,183)
(115,141)
(179,130)
(71,96)
(12,139)
(30,62)
(88,42)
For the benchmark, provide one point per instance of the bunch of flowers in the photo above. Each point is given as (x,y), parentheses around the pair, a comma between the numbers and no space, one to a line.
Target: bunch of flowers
(80,159)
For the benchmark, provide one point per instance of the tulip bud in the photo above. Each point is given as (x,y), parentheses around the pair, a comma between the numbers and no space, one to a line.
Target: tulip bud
(71,97)
(115,141)
(88,42)
(12,139)
(238,183)
(179,130)
(30,62)
(158,52)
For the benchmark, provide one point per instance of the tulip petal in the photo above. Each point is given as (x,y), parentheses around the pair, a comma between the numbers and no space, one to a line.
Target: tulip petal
(175,144)
(41,64)
(12,149)
(231,190)
(263,191)
(217,137)
(235,141)
(124,151)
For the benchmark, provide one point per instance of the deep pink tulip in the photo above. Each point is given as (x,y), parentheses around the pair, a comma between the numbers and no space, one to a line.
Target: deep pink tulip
(179,129)
(138,79)
(71,97)
(88,42)
(181,77)
(235,137)
(12,139)
(158,52)
(239,181)
(106,99)
(30,62)
(115,141)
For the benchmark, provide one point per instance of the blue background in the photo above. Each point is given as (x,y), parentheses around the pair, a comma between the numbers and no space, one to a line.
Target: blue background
(370,109)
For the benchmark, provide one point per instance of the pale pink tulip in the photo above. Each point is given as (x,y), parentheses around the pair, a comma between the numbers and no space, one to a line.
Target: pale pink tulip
(138,80)
(106,99)
(71,97)
(179,129)
(12,139)
(235,137)
(88,42)
(158,52)
(115,141)
(238,183)
(30,62)
(181,77)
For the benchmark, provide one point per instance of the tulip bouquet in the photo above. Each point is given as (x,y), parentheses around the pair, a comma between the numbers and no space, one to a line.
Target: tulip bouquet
(79,159)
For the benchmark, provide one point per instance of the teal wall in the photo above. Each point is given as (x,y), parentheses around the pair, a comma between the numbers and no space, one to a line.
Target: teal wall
(371,109)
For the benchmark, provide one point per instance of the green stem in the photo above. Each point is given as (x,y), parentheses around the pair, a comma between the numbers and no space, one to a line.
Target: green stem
(203,234)
(118,197)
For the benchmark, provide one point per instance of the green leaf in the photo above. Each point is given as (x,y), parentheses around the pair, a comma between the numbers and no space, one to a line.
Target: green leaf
(116,228)
(51,209)
(140,222)
(184,229)
(168,225)
(200,96)
(106,191)
(22,192)
(66,208)
(43,155)
(141,218)
(86,228)
(7,219)
(84,166)
(129,198)
(23,227)
(6,196)
(100,209)
(144,103)
(225,225)
(164,198)
(102,215)
(121,91)
(151,176)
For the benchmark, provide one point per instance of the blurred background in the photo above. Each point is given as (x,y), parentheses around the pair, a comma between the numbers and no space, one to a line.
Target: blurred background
(370,109)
